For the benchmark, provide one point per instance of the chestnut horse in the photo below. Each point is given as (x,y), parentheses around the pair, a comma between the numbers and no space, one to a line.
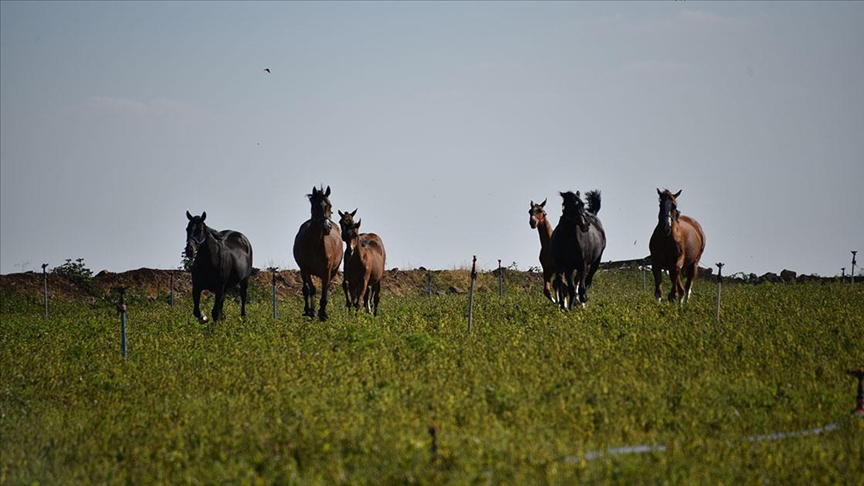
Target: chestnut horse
(537,220)
(577,246)
(318,251)
(676,245)
(364,265)
(222,260)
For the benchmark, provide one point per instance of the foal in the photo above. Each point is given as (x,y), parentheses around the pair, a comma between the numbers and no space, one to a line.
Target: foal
(537,220)
(364,265)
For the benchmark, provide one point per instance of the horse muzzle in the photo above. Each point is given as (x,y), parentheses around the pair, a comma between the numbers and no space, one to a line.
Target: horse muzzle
(532,222)
(191,248)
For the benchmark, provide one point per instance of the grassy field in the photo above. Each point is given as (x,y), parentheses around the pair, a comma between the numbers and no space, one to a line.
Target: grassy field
(530,396)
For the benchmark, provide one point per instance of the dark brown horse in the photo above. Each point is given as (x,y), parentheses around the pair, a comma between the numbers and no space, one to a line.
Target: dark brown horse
(364,265)
(577,243)
(676,245)
(537,220)
(318,251)
(222,260)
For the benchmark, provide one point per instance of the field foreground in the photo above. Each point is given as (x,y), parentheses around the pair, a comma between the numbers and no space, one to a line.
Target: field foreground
(530,395)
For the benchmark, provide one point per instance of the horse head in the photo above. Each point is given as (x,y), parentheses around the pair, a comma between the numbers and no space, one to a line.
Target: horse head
(346,224)
(321,208)
(573,209)
(536,214)
(196,232)
(668,209)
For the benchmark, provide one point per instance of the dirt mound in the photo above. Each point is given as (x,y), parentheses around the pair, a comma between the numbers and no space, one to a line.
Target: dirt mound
(152,283)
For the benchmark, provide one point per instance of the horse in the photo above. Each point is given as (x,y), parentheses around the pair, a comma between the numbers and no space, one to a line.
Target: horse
(318,251)
(537,220)
(676,245)
(364,265)
(577,244)
(222,260)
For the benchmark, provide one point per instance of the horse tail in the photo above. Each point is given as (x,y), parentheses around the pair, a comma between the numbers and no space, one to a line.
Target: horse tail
(593,198)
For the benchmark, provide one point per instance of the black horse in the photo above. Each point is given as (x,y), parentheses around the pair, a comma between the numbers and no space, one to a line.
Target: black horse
(222,260)
(577,246)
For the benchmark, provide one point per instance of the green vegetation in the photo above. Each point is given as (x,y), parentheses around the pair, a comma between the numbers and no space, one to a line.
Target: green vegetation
(520,400)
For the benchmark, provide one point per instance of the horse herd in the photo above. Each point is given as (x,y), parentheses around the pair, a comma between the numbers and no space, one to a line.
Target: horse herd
(570,254)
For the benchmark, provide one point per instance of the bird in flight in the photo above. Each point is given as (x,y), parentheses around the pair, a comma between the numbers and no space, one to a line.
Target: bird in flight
(267,70)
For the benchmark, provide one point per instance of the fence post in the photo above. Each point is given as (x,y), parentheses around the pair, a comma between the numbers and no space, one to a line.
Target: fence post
(471,294)
(853,266)
(121,308)
(719,286)
(273,272)
(45,287)
(500,280)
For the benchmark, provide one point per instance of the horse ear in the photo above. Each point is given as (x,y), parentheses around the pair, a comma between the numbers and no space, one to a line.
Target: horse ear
(357,224)
(203,216)
(341,214)
(189,216)
(314,191)
(327,192)
(543,203)
(677,193)
(658,192)
(354,212)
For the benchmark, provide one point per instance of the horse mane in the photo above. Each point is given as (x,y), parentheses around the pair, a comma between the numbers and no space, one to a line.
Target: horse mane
(593,198)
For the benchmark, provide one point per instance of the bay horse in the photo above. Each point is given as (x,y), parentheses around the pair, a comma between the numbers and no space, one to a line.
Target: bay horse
(222,260)
(318,251)
(676,245)
(577,245)
(537,220)
(364,265)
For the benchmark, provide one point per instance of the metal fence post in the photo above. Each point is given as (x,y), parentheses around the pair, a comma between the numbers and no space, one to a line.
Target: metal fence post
(500,280)
(121,308)
(45,287)
(471,294)
(719,287)
(273,272)
(853,265)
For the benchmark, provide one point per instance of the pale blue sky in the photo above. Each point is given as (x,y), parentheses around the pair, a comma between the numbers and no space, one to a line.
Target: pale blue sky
(440,121)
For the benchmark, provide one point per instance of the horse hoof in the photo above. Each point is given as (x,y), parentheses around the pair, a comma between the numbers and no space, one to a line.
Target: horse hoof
(202,319)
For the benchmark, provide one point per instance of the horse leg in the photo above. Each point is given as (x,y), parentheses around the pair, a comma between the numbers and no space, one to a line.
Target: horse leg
(548,286)
(219,301)
(308,295)
(559,290)
(376,297)
(196,299)
(658,281)
(322,309)
(677,292)
(364,294)
(581,272)
(244,285)
(345,286)
(571,290)
(691,275)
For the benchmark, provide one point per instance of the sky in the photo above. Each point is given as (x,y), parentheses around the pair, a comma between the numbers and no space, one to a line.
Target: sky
(439,121)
